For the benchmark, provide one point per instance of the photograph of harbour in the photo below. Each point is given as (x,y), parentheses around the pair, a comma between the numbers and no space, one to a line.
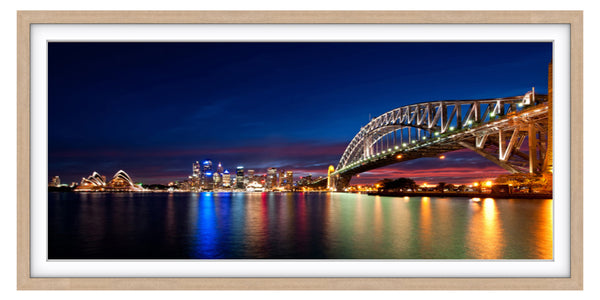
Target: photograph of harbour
(300,150)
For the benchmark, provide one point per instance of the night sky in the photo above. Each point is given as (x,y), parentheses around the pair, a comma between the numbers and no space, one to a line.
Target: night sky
(152,109)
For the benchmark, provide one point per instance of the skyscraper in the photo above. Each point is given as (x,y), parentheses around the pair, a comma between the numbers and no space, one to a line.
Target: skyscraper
(271,178)
(196,169)
(206,177)
(281,181)
(207,165)
(239,176)
(226,179)
(218,176)
(289,180)
(217,180)
(194,184)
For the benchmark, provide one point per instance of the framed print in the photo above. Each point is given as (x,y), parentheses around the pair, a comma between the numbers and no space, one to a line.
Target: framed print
(300,150)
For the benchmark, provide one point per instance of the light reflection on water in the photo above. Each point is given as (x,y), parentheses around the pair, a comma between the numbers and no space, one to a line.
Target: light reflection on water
(295,225)
(485,231)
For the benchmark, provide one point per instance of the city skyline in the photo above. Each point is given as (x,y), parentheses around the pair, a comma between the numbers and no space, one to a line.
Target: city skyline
(151,107)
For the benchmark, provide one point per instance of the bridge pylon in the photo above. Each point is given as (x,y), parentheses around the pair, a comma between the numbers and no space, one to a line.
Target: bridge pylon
(341,182)
(330,179)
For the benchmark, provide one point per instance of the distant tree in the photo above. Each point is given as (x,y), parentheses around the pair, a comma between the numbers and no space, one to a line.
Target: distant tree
(526,180)
(155,186)
(440,187)
(462,188)
(450,187)
(384,181)
(401,184)
(381,184)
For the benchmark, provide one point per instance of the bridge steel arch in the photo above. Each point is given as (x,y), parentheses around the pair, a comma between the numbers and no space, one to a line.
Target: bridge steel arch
(494,128)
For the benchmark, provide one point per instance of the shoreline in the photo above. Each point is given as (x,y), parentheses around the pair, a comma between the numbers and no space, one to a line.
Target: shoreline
(383,194)
(463,194)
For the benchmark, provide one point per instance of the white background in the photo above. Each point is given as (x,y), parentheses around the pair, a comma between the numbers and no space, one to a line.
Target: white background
(40,34)
(8,124)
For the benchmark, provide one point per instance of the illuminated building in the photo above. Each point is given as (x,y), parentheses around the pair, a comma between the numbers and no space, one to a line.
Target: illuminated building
(307,180)
(218,176)
(186,185)
(262,179)
(289,180)
(196,169)
(255,187)
(226,178)
(217,179)
(207,165)
(251,175)
(239,176)
(95,180)
(206,177)
(121,181)
(281,178)
(194,180)
(207,180)
(271,181)
(56,181)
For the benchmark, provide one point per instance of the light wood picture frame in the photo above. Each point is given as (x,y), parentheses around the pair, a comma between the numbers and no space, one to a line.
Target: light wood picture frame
(26,18)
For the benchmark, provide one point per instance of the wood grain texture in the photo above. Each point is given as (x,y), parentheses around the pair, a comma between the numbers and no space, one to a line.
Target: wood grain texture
(26,18)
(290,17)
(23,151)
(577,151)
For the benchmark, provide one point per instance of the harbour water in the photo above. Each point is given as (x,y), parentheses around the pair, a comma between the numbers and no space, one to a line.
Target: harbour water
(294,226)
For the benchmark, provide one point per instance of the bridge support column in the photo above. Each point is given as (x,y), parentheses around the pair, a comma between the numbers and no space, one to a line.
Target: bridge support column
(341,182)
(549,153)
(330,178)
(533,141)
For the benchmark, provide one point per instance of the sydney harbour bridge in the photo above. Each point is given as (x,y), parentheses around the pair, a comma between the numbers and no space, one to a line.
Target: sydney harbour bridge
(512,132)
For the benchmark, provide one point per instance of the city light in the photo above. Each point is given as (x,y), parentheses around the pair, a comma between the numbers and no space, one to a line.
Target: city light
(399,156)
(442,156)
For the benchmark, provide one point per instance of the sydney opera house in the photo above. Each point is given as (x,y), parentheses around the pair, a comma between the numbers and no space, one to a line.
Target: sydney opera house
(121,182)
